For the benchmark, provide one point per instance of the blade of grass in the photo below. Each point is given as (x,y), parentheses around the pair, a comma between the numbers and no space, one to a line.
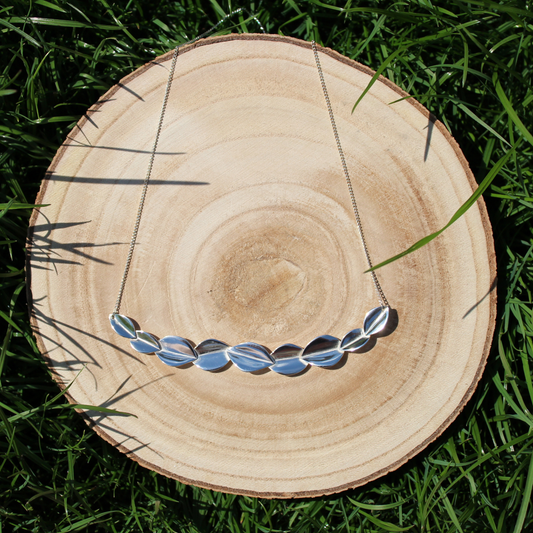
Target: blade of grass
(511,112)
(29,38)
(459,213)
(526,498)
(50,5)
(387,526)
(60,23)
(379,71)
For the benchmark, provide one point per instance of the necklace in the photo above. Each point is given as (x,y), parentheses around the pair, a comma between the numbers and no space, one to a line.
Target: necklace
(211,354)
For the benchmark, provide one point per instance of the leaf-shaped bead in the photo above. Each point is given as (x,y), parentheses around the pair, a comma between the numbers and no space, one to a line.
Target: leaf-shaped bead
(122,325)
(287,360)
(354,340)
(212,355)
(249,357)
(145,343)
(176,351)
(376,320)
(323,351)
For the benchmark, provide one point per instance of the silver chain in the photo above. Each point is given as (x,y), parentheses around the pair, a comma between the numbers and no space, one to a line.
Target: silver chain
(154,148)
(381,295)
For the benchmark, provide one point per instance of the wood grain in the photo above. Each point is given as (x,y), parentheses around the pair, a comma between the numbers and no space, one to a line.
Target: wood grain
(248,235)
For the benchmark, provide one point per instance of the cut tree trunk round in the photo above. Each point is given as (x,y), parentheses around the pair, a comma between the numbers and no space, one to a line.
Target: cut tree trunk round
(248,234)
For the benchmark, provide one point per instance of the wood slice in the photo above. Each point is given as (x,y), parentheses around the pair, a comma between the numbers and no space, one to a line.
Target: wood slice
(248,234)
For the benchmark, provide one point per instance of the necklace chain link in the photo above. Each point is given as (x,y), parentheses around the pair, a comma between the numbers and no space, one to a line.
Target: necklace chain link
(154,148)
(381,296)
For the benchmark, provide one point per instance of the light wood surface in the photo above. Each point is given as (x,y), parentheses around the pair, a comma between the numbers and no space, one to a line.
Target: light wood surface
(248,235)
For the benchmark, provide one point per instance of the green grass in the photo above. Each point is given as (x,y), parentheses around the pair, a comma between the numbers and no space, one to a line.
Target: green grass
(471,64)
